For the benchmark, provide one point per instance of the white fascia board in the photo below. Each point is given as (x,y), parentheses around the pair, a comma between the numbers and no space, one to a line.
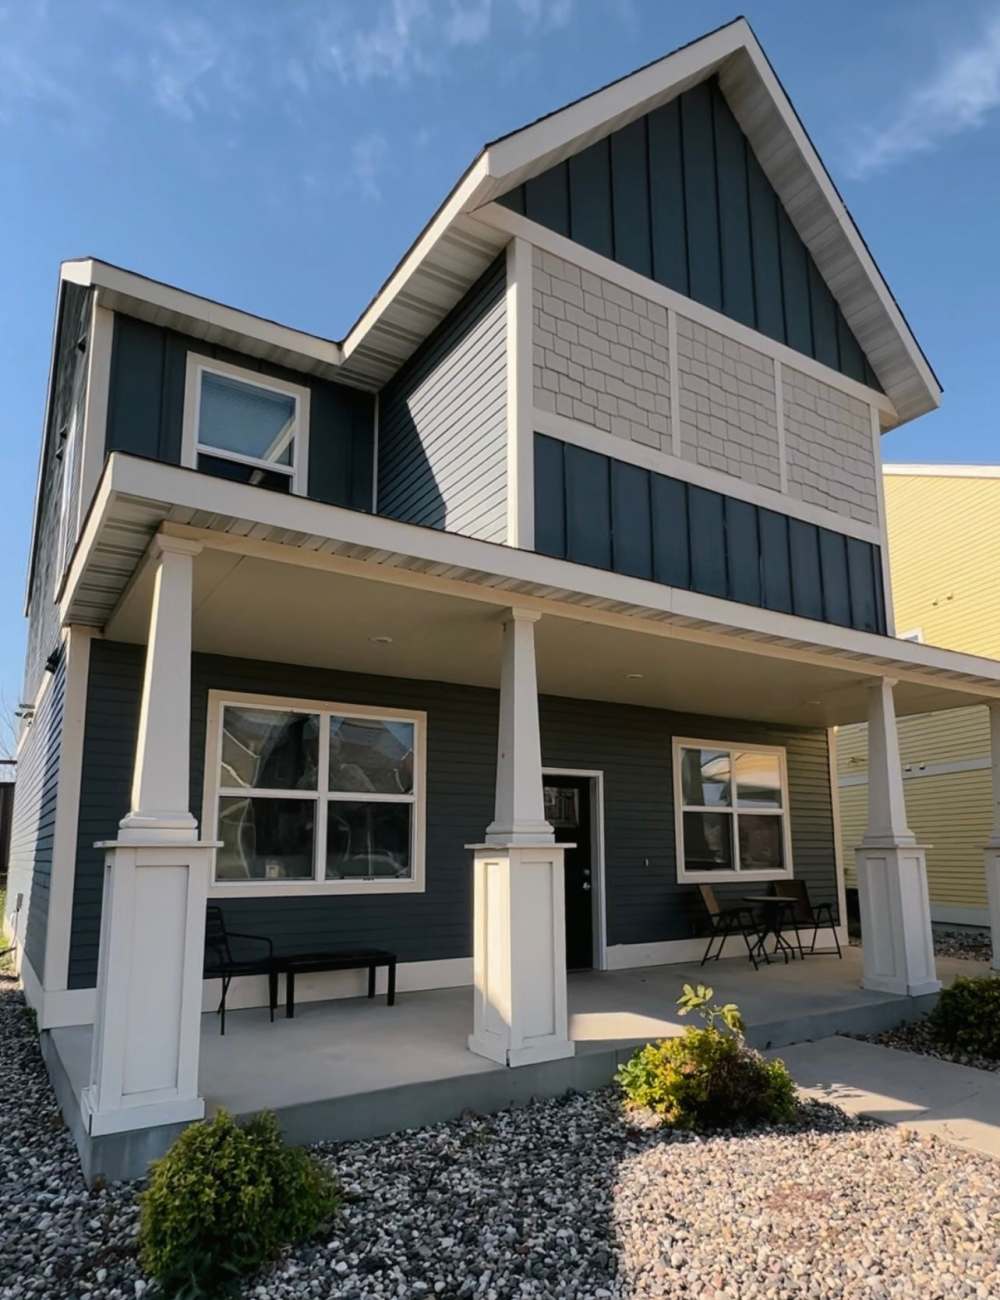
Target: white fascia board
(829,191)
(943,471)
(120,288)
(466,194)
(763,631)
(565,131)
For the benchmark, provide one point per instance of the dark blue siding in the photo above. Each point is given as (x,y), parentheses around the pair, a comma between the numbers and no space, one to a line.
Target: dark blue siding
(146,409)
(597,510)
(694,211)
(630,745)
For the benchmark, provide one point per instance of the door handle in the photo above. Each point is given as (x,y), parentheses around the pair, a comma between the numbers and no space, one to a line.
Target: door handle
(586,885)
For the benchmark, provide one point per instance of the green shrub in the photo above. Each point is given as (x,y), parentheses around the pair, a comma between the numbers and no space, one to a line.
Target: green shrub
(708,1078)
(967,1016)
(224,1200)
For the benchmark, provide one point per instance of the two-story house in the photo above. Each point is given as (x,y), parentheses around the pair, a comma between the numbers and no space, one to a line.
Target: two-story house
(490,631)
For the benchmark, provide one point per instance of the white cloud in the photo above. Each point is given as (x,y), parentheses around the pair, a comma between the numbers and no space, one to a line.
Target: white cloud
(545,13)
(959,97)
(390,47)
(368,156)
(468,23)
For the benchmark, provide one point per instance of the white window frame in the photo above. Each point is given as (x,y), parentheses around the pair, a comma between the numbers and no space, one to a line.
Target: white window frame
(198,366)
(785,813)
(326,709)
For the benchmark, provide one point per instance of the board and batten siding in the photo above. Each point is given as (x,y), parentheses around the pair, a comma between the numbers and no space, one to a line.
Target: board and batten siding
(29,868)
(146,409)
(679,196)
(632,746)
(442,439)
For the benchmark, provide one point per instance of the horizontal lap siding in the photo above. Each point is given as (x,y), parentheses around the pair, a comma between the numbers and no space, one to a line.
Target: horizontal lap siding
(33,829)
(632,746)
(442,443)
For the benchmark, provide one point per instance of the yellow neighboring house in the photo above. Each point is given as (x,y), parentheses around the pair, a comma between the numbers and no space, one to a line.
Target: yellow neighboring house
(944,544)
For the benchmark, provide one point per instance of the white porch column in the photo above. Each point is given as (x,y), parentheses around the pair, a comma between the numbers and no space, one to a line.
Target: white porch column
(144,1066)
(519,928)
(993,846)
(892,868)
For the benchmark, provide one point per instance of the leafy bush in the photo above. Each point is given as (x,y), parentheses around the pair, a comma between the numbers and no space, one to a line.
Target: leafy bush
(967,1016)
(224,1200)
(708,1078)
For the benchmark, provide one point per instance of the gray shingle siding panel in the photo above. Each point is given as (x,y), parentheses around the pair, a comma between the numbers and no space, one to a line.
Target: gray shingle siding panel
(442,445)
(33,829)
(69,391)
(632,746)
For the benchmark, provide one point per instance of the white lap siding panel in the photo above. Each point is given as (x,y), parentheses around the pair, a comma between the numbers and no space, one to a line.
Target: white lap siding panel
(442,446)
(828,444)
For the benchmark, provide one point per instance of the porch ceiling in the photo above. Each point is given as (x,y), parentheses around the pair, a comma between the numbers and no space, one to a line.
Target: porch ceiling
(288,579)
(249,607)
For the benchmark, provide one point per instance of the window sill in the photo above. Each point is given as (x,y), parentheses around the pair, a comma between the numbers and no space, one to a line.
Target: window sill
(730,877)
(292,888)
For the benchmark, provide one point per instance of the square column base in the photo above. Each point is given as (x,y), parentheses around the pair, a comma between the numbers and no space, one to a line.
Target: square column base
(519,955)
(992,865)
(896,937)
(144,1066)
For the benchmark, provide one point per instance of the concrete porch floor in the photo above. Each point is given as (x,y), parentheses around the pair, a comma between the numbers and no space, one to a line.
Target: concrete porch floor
(354,1068)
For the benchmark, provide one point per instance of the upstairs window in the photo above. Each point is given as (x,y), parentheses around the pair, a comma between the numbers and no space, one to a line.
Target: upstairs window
(244,426)
(731,811)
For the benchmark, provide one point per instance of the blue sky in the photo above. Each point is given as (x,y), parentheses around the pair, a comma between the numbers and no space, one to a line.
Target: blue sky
(280,155)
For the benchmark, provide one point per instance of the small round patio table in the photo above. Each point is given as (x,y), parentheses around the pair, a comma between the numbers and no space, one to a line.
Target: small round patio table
(775,908)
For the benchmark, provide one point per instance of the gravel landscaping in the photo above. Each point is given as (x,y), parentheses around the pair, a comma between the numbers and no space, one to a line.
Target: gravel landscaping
(558,1199)
(975,945)
(919,1038)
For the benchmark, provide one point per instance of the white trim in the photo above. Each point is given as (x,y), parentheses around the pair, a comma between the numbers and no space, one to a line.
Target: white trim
(883,525)
(411,977)
(915,634)
(779,425)
(520,397)
(123,290)
(55,1008)
(840,862)
(211,793)
(567,429)
(95,420)
(513,224)
(684,876)
(76,643)
(669,952)
(199,365)
(943,471)
(597,874)
(673,366)
(469,567)
(943,915)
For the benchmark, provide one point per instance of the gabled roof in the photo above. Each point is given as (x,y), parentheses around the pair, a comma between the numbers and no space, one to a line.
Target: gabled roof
(454,248)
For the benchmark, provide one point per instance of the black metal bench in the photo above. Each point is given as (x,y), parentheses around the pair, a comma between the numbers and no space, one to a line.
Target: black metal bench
(227,955)
(309,963)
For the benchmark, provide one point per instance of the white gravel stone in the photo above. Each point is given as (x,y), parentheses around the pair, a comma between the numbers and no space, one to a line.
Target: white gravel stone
(567,1199)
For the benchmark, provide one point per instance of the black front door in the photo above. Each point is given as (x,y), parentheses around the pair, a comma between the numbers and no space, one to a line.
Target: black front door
(567,809)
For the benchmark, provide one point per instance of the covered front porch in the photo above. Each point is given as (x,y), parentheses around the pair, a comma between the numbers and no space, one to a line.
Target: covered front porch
(352,1068)
(511,666)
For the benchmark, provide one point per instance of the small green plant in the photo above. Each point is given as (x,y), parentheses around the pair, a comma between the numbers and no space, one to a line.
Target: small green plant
(966,1017)
(224,1200)
(708,1078)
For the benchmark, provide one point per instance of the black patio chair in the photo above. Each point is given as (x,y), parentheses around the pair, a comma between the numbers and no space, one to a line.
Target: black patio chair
(224,961)
(729,921)
(805,915)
